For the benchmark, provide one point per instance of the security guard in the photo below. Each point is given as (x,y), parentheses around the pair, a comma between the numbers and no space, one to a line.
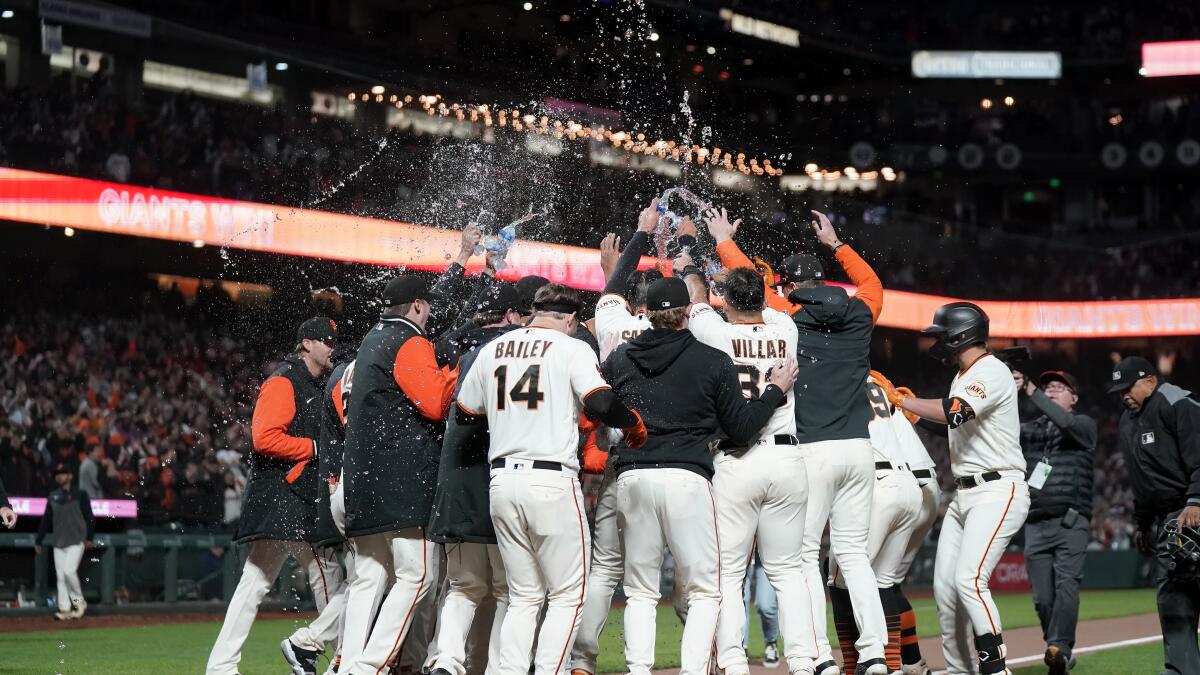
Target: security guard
(1160,431)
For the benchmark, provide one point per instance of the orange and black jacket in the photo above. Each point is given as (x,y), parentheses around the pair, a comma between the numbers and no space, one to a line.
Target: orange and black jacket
(281,493)
(833,347)
(398,408)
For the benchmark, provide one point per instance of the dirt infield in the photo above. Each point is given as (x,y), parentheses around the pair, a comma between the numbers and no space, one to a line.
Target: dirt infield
(29,624)
(1025,644)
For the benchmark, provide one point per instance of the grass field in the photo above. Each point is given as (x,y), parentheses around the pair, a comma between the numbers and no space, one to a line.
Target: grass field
(181,649)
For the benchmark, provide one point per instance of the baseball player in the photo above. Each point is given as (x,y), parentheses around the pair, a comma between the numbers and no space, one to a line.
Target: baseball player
(279,507)
(399,399)
(762,485)
(833,345)
(895,508)
(615,325)
(68,526)
(461,521)
(308,642)
(916,456)
(992,499)
(689,393)
(531,385)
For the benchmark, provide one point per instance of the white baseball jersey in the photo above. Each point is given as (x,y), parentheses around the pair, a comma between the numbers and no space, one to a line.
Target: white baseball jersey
(754,348)
(615,325)
(912,449)
(531,384)
(882,430)
(991,440)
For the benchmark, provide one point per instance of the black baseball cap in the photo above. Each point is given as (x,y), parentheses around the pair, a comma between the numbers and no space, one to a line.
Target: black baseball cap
(1130,370)
(527,287)
(1061,376)
(406,288)
(798,268)
(667,293)
(320,328)
(500,298)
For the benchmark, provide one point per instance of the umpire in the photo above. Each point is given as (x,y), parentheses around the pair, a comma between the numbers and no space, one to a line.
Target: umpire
(1160,431)
(1058,445)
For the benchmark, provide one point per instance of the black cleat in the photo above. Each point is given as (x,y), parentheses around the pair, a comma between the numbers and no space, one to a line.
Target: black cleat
(1056,661)
(302,661)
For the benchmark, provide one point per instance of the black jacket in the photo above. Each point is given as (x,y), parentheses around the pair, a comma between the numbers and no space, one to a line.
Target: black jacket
(833,350)
(687,393)
(332,439)
(1068,441)
(281,493)
(391,453)
(461,509)
(1162,446)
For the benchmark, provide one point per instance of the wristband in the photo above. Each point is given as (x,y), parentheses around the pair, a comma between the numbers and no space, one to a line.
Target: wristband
(838,246)
(690,270)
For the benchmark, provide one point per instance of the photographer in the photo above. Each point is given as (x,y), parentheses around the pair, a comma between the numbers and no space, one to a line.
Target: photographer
(1058,445)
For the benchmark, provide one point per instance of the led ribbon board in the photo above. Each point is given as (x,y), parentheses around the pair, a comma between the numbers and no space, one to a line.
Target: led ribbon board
(987,65)
(41,198)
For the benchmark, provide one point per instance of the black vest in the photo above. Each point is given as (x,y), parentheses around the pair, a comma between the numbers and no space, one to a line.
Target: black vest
(273,507)
(390,465)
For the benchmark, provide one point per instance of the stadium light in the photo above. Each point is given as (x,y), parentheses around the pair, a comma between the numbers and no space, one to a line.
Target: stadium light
(377,89)
(281,66)
(711,50)
(6,14)
(198,243)
(654,37)
(69,231)
(527,6)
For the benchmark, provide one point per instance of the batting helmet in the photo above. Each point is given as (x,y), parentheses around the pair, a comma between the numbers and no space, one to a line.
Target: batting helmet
(956,326)
(1183,550)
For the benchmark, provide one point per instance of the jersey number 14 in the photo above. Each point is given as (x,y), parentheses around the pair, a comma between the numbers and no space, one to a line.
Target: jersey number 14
(524,391)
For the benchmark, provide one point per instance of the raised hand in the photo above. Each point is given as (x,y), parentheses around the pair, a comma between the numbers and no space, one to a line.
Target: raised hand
(610,250)
(648,218)
(824,230)
(717,222)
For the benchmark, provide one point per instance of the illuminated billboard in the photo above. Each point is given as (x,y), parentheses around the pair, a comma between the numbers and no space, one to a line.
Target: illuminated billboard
(987,65)
(1163,59)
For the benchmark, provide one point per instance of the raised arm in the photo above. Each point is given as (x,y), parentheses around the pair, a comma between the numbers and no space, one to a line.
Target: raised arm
(870,288)
(723,231)
(637,247)
(1079,427)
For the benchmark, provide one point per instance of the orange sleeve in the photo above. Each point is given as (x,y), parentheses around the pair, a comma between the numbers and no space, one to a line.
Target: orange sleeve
(273,413)
(594,459)
(337,402)
(429,387)
(870,288)
(732,258)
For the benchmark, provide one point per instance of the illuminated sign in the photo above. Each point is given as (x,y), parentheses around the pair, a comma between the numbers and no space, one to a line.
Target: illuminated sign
(41,198)
(101,508)
(987,65)
(763,30)
(1161,59)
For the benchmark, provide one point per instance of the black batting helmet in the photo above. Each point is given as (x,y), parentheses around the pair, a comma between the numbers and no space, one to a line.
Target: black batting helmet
(957,326)
(1183,549)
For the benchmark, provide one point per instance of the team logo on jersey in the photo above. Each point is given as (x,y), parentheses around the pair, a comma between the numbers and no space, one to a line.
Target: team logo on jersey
(1116,375)
(977,390)
(1148,438)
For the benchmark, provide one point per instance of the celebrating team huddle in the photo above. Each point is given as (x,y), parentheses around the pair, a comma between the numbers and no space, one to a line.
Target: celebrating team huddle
(730,415)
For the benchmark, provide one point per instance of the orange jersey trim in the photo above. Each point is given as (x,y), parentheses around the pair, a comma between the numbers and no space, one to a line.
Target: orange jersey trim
(429,387)
(273,414)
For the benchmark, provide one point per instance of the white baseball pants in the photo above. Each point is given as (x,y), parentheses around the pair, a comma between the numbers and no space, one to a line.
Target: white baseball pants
(676,508)
(608,562)
(931,502)
(762,494)
(475,572)
(841,477)
(66,574)
(895,508)
(544,541)
(326,629)
(264,559)
(977,528)
(413,564)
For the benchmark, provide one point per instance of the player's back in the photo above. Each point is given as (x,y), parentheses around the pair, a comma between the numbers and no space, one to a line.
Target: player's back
(884,441)
(529,382)
(754,348)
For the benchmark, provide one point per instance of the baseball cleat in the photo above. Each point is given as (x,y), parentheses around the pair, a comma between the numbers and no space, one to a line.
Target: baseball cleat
(580,671)
(302,661)
(771,656)
(77,609)
(440,671)
(829,667)
(1056,661)
(918,668)
(871,667)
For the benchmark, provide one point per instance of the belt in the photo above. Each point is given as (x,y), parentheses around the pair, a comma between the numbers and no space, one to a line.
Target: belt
(923,473)
(976,480)
(778,439)
(537,464)
(883,466)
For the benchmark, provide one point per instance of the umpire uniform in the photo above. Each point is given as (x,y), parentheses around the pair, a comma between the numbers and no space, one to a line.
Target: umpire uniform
(1161,440)
(1058,446)
(279,509)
